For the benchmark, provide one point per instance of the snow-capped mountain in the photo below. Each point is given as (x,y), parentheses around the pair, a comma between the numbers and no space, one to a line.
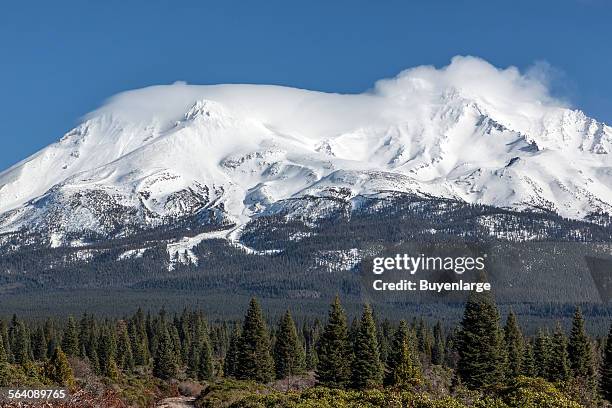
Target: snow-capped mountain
(228,153)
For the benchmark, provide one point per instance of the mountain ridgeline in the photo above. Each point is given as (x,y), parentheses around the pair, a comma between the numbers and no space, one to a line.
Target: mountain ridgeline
(540,257)
(281,193)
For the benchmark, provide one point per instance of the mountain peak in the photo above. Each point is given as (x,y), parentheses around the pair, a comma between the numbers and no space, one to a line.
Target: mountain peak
(464,131)
(206,109)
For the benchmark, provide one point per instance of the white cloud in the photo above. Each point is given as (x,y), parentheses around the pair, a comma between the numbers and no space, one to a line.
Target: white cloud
(474,78)
(504,93)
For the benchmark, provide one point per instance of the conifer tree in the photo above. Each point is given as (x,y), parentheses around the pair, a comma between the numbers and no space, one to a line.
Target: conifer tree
(51,336)
(353,331)
(605,383)
(21,348)
(12,335)
(230,364)
(481,348)
(425,339)
(437,351)
(193,359)
(579,349)
(311,359)
(58,370)
(3,357)
(92,355)
(406,372)
(125,357)
(558,364)
(107,353)
(311,336)
(39,344)
(254,355)
(205,360)
(176,343)
(514,345)
(542,353)
(186,325)
(288,352)
(403,365)
(70,340)
(528,368)
(385,333)
(138,338)
(6,343)
(333,350)
(84,336)
(451,355)
(5,369)
(366,368)
(165,361)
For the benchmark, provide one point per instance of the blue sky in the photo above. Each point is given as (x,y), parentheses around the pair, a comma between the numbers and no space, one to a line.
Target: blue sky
(61,59)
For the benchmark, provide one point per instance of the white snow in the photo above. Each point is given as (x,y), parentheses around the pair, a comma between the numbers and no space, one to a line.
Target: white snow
(55,240)
(339,260)
(132,254)
(469,131)
(182,250)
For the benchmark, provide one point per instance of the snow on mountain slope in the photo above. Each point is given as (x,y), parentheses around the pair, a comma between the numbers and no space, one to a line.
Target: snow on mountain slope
(468,131)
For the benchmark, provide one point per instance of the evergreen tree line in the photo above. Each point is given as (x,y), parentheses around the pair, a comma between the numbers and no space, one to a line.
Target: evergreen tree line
(482,352)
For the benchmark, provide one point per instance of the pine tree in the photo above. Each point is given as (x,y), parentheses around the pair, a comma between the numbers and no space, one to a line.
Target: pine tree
(605,383)
(51,336)
(254,357)
(58,370)
(5,340)
(437,351)
(187,325)
(21,348)
(39,345)
(366,369)
(451,348)
(165,361)
(193,359)
(558,364)
(230,364)
(542,352)
(205,360)
(353,331)
(138,337)
(311,338)
(514,345)
(84,336)
(70,340)
(528,361)
(125,357)
(311,359)
(3,356)
(107,353)
(176,343)
(333,350)
(406,372)
(385,333)
(481,348)
(5,370)
(288,352)
(403,367)
(579,349)
(92,356)
(425,339)
(12,335)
